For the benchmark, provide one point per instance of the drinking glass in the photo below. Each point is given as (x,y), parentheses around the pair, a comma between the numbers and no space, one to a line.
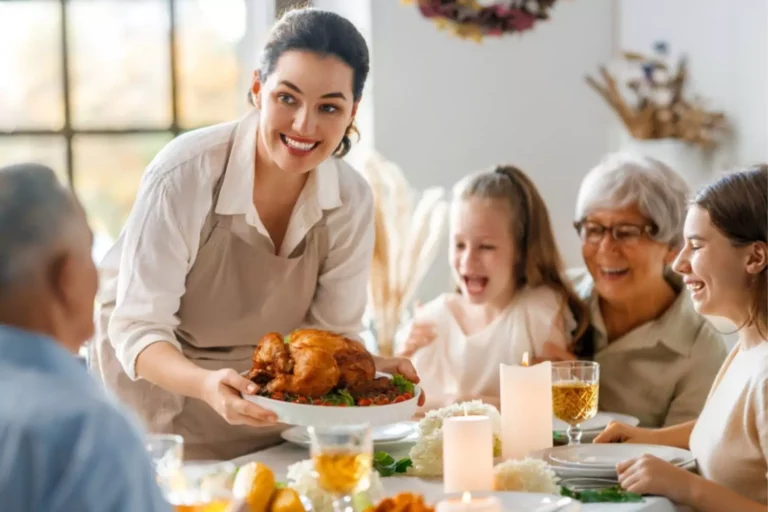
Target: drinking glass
(343,457)
(166,452)
(575,389)
(203,487)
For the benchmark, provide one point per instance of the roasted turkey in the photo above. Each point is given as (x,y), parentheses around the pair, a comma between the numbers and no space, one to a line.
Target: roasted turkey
(312,363)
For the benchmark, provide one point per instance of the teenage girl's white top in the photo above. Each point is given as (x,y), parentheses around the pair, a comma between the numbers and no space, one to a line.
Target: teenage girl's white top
(457,367)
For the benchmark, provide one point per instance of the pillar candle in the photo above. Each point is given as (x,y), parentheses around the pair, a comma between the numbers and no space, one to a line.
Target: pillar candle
(467,454)
(526,409)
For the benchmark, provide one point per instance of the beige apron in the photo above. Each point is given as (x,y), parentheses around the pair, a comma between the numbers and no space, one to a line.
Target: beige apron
(237,291)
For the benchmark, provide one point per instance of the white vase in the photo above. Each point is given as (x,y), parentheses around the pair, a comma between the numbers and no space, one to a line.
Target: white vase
(692,163)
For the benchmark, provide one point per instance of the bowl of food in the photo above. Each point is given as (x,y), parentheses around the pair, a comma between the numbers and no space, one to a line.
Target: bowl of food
(318,378)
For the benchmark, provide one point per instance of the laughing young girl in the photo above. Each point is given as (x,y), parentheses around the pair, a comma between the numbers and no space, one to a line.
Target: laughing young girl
(511,295)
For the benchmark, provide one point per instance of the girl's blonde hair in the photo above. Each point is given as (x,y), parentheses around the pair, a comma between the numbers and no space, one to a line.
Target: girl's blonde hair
(537,258)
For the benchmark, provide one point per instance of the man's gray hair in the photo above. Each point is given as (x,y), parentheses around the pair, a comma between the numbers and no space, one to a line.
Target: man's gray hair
(35,215)
(623,179)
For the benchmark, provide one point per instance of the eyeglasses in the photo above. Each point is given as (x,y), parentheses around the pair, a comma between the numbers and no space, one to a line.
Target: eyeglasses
(626,234)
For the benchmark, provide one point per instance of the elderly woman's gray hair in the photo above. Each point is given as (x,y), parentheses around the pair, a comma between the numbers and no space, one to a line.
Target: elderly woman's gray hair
(35,216)
(621,180)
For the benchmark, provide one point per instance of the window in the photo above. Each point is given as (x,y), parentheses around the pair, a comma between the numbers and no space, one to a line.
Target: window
(95,88)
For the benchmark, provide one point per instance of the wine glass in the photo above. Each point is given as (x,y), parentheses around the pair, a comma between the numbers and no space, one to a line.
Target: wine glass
(203,487)
(575,389)
(343,458)
(166,452)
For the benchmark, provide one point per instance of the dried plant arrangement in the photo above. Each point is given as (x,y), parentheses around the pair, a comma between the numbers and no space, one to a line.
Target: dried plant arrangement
(477,19)
(657,108)
(409,227)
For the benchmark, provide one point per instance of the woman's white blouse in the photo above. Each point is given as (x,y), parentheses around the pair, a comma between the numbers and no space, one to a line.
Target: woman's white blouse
(145,271)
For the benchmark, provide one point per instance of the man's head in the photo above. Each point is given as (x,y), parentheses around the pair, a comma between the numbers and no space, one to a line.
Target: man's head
(48,280)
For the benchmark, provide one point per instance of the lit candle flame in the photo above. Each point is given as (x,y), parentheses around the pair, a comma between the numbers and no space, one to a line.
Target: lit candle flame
(526,361)
(466,497)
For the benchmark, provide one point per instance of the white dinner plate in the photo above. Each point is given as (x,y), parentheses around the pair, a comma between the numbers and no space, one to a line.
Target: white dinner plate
(529,501)
(510,501)
(383,436)
(606,456)
(596,424)
(307,415)
(383,433)
(604,452)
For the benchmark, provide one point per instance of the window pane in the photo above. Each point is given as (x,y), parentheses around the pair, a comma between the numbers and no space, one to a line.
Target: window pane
(208,35)
(30,66)
(50,151)
(119,63)
(108,169)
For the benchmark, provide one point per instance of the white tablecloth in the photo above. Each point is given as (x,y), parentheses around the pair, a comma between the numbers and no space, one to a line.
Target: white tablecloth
(280,457)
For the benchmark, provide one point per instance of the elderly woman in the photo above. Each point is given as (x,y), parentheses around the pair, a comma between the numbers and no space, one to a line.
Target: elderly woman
(658,357)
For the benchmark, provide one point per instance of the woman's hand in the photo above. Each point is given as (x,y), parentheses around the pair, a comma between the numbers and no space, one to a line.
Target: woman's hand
(617,432)
(420,335)
(221,390)
(651,475)
(401,366)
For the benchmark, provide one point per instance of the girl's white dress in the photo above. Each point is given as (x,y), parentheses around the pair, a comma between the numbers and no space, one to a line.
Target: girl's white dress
(457,367)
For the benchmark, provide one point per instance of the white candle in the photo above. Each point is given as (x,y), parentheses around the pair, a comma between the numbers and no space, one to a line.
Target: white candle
(469,503)
(467,454)
(526,409)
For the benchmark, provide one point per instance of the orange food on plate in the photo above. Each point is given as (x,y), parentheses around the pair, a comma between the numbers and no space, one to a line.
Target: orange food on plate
(403,502)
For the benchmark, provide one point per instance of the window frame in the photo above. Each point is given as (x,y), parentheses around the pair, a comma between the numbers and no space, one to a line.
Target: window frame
(69,132)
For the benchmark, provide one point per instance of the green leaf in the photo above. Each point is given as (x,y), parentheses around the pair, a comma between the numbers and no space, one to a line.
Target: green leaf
(385,470)
(402,465)
(346,397)
(402,384)
(386,465)
(383,458)
(287,339)
(280,485)
(613,494)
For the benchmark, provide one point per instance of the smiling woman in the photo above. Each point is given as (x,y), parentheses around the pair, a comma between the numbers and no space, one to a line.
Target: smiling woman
(657,356)
(241,229)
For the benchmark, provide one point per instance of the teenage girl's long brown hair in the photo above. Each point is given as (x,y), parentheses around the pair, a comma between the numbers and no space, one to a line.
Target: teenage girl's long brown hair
(537,257)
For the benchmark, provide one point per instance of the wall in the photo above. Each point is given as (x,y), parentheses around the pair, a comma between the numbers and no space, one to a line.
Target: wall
(443,107)
(727,49)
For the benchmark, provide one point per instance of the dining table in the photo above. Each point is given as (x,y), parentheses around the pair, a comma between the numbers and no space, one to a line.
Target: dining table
(279,458)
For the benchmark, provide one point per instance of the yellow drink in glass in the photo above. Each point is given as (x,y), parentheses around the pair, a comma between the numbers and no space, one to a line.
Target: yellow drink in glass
(575,392)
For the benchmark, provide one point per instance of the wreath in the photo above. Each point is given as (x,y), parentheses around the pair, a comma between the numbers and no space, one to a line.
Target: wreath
(475,19)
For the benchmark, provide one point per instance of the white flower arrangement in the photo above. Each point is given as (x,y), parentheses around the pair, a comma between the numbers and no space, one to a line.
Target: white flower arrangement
(527,475)
(427,453)
(301,478)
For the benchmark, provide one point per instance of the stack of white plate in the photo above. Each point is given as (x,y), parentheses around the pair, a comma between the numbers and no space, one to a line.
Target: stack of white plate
(600,460)
(386,436)
(591,428)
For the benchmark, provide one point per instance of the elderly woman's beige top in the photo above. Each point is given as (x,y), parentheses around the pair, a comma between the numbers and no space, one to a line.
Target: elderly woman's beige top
(662,371)
(730,439)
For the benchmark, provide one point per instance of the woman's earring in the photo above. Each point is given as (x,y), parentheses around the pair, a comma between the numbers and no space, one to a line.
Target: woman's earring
(351,128)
